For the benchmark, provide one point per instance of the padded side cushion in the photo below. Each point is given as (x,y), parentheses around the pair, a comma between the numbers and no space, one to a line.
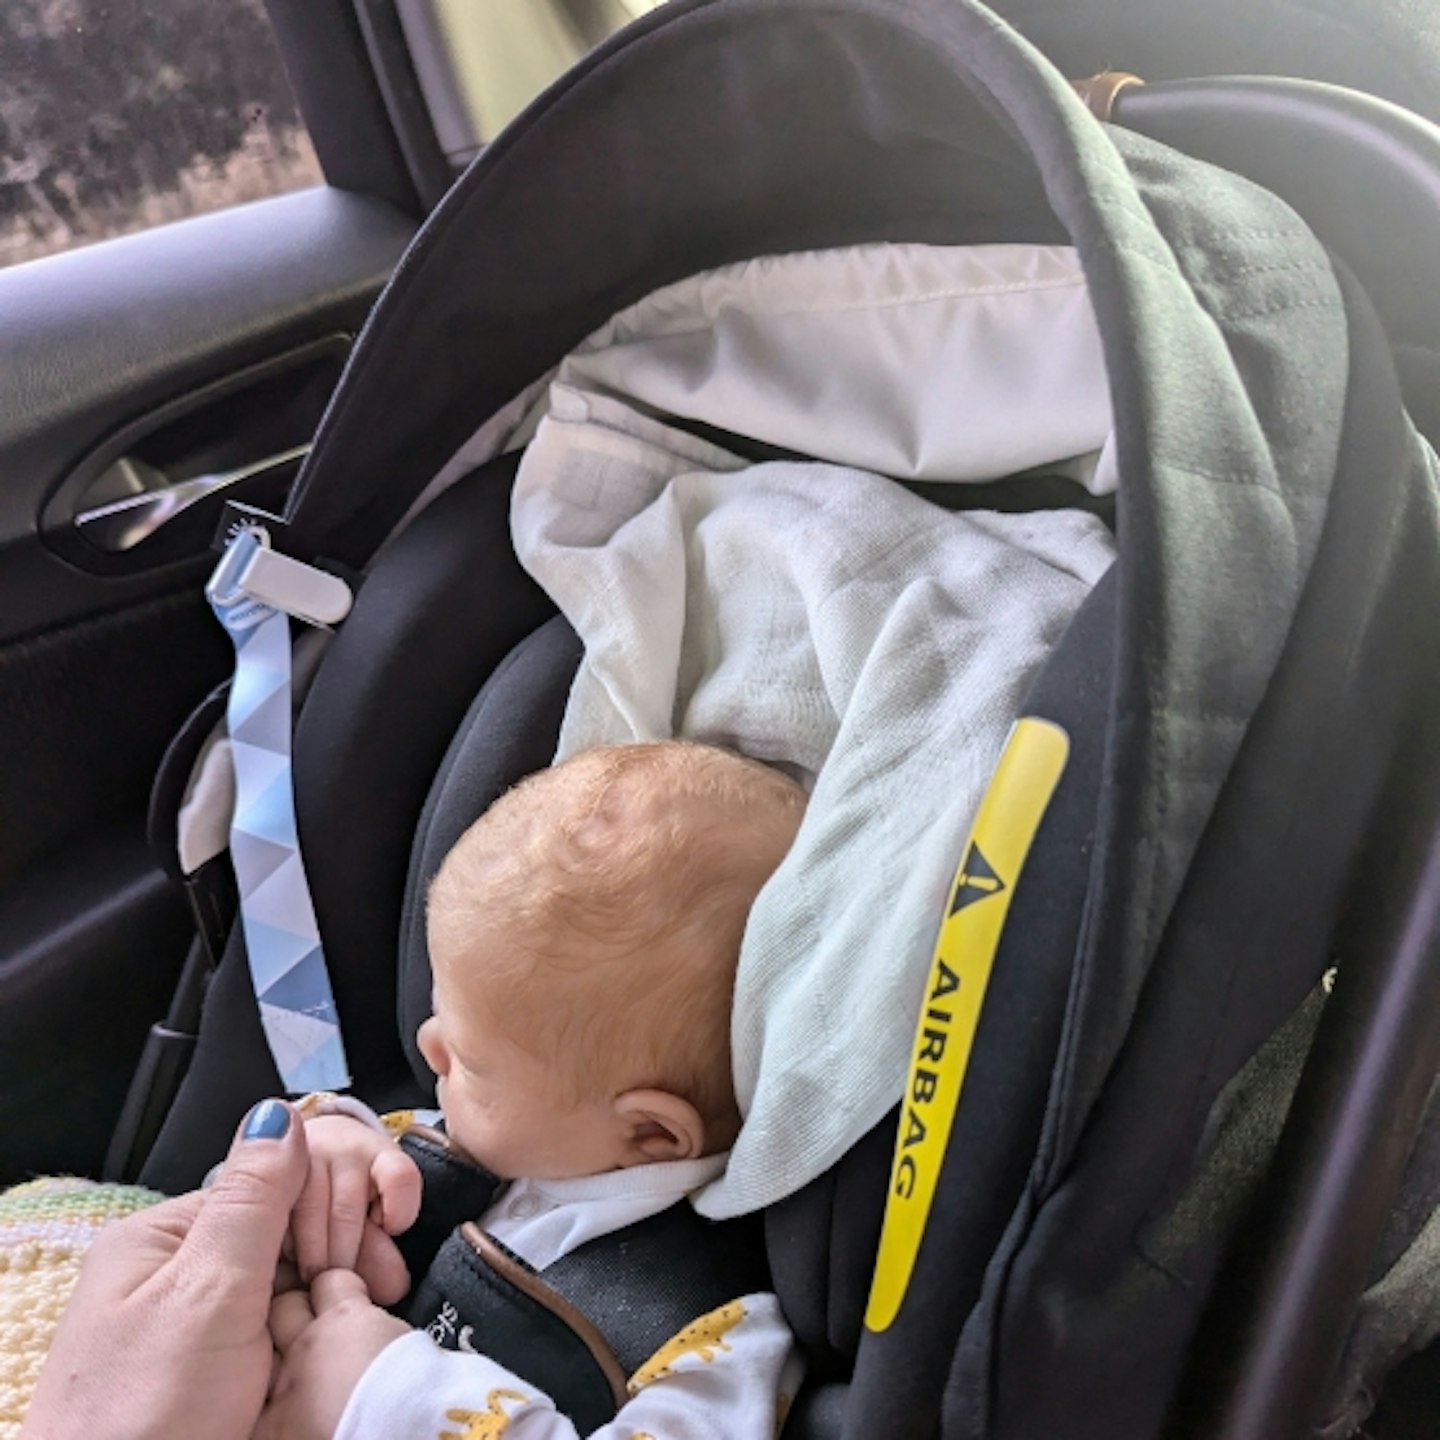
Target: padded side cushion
(478,1296)
(510,732)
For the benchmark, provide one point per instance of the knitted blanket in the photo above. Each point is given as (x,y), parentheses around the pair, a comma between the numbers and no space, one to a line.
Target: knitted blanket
(46,1226)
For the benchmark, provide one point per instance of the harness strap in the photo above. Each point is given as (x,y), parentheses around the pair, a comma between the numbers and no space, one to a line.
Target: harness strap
(253,593)
(582,1327)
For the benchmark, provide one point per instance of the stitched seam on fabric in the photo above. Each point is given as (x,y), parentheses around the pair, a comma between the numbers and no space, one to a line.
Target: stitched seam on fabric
(1283,307)
(1158,816)
(1297,267)
(1156,1210)
(1156,1263)
(929,297)
(1056,1123)
(1164,259)
(1266,234)
(1232,316)
(1170,261)
(1237,477)
(1205,717)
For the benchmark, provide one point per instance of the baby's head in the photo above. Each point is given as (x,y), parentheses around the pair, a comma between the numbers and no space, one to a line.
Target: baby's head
(583,937)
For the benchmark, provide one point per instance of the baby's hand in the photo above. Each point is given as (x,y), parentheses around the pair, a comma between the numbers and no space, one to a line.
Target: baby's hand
(361,1189)
(324,1342)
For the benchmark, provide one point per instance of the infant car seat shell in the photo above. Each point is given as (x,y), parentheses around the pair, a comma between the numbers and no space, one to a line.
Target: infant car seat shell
(1277,538)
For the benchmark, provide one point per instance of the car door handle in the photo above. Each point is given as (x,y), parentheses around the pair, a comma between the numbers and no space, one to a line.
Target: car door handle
(123,524)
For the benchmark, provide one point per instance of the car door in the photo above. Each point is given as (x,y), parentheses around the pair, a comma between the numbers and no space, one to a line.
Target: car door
(141,379)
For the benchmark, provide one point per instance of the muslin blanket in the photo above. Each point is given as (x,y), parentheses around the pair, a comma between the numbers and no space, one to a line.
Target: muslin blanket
(820,615)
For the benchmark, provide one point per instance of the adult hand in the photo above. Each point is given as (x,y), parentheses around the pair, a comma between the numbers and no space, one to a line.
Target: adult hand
(166,1331)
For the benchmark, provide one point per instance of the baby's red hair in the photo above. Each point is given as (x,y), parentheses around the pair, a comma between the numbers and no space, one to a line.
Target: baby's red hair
(598,908)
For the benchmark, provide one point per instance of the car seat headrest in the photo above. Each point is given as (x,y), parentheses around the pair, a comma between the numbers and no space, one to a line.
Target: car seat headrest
(508,733)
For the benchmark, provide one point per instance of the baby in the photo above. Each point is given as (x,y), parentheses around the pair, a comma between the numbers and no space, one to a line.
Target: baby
(583,938)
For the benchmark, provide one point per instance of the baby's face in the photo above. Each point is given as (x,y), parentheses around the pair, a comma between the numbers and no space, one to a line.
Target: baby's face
(503,1105)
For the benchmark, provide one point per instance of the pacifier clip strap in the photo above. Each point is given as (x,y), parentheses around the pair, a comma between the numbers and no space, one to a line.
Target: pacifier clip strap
(253,592)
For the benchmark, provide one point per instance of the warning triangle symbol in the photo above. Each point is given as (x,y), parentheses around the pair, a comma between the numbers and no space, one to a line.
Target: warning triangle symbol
(977,880)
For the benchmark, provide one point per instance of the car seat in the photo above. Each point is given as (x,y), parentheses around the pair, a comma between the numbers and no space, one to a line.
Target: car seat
(1084,1230)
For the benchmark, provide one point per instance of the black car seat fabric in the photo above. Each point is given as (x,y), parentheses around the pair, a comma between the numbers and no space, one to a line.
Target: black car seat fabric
(1259,919)
(579,1327)
(508,733)
(437,614)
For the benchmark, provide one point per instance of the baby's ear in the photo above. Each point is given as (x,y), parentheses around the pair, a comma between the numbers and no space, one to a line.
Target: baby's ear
(658,1125)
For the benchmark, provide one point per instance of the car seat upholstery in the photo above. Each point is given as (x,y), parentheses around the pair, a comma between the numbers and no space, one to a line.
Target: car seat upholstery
(508,733)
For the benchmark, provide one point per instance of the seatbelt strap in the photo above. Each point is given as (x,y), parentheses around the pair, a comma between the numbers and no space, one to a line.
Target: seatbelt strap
(253,592)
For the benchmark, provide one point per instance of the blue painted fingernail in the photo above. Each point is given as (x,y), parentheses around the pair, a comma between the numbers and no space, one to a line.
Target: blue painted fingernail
(269,1120)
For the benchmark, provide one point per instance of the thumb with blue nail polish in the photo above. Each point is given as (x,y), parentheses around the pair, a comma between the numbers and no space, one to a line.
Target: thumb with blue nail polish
(166,1332)
(269,1120)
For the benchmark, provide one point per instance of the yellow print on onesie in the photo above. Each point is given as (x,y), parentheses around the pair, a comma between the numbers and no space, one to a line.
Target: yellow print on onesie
(487,1424)
(705,1338)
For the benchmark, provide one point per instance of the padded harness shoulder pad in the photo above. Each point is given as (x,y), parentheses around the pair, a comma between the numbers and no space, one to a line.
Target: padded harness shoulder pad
(454,1189)
(581,1327)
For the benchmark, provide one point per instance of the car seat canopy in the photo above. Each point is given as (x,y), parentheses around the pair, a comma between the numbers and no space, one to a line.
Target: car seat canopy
(1219,318)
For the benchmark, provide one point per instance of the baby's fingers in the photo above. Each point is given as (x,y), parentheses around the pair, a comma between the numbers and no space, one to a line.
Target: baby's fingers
(397,1183)
(310,1224)
(349,1207)
(381,1267)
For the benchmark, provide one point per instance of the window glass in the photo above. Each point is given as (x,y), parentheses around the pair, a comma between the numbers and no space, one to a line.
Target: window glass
(116,115)
(480,64)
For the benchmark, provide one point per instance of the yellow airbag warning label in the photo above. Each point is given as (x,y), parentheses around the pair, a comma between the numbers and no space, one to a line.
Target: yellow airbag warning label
(1009,815)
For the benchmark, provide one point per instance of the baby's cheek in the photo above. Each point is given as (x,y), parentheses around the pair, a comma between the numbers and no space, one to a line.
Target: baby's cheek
(460,1123)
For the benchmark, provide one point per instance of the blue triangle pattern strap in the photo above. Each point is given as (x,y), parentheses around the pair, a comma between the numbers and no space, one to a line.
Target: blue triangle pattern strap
(287,964)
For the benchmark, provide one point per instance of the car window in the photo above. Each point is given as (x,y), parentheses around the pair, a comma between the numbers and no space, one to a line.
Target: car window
(116,115)
(479,64)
